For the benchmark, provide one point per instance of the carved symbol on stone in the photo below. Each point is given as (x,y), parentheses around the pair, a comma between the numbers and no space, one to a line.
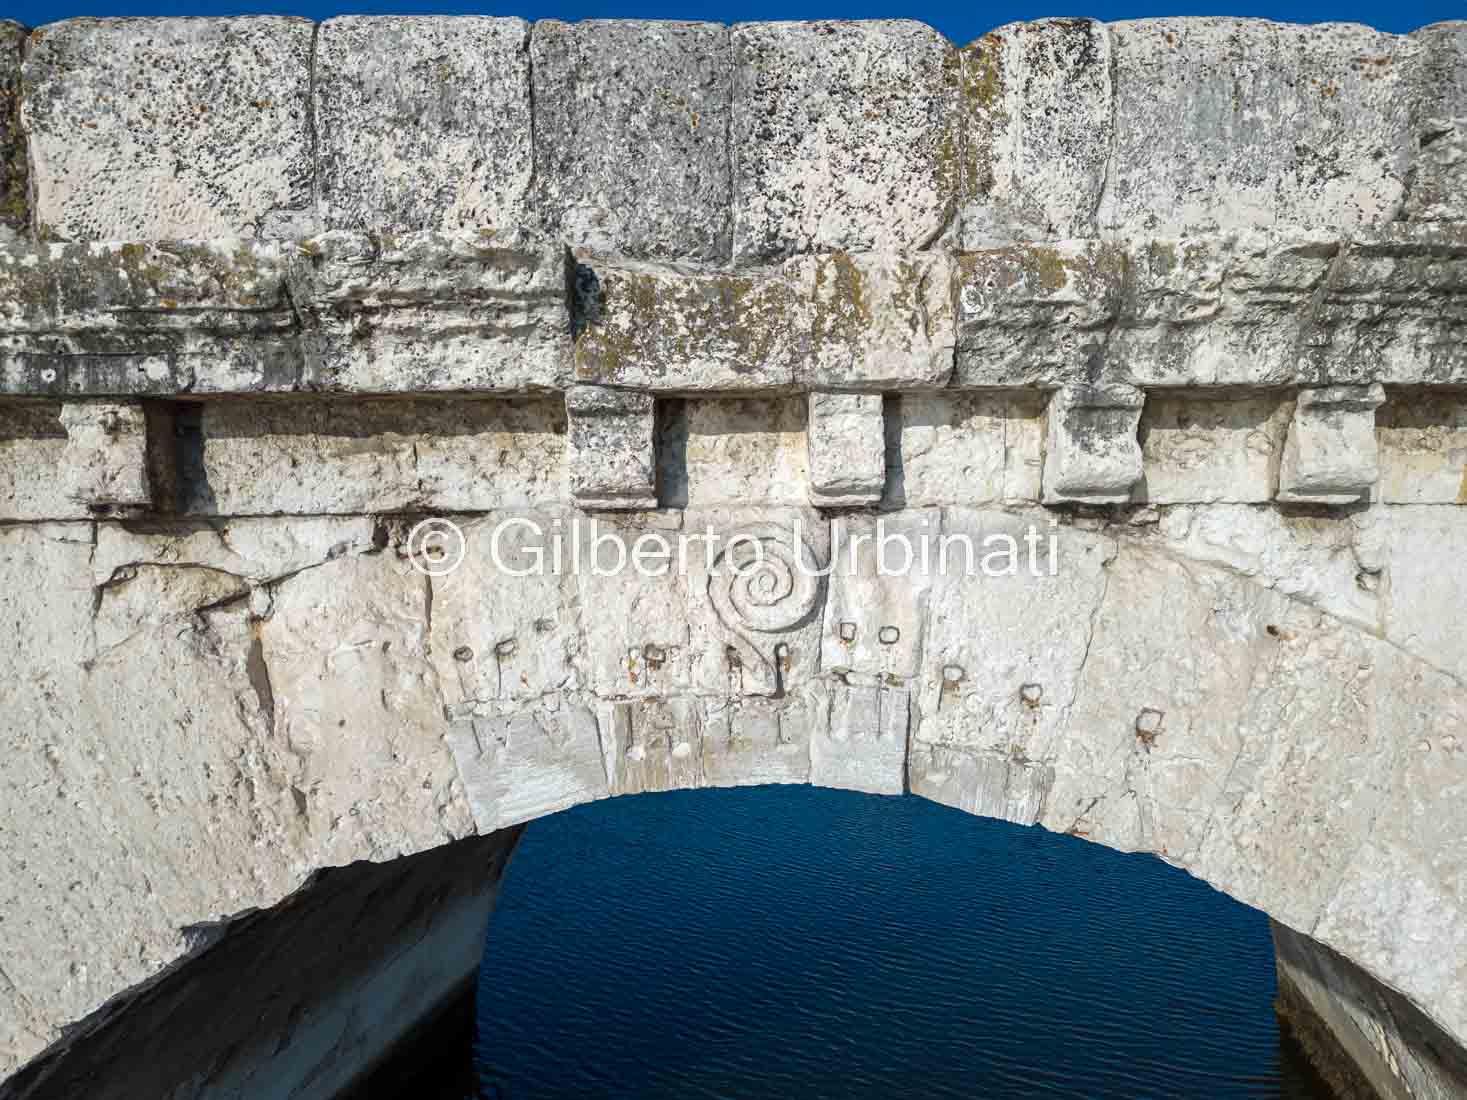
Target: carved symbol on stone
(762,584)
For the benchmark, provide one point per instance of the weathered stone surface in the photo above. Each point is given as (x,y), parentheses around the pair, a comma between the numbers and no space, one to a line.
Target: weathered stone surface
(864,748)
(732,451)
(32,441)
(1213,447)
(1242,123)
(423,122)
(968,448)
(145,129)
(312,457)
(1330,456)
(652,744)
(1091,453)
(606,88)
(104,464)
(1422,440)
(609,448)
(845,136)
(1438,179)
(1037,116)
(847,449)
(15,204)
(486,310)
(751,740)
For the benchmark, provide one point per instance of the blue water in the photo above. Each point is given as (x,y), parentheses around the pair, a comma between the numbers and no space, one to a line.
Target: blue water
(780,942)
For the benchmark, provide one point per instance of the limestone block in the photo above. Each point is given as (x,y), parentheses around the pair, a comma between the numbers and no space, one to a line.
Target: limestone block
(752,740)
(755,590)
(844,136)
(481,311)
(881,574)
(1331,455)
(309,456)
(32,443)
(865,746)
(609,456)
(732,451)
(524,764)
(104,464)
(650,327)
(1037,115)
(1422,442)
(1205,448)
(631,136)
(652,744)
(146,129)
(1035,315)
(1424,562)
(15,214)
(1438,179)
(423,122)
(1007,637)
(507,619)
(966,448)
(1091,453)
(847,449)
(879,321)
(1238,123)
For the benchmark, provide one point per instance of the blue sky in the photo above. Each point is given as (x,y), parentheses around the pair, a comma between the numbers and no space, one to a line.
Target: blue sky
(961,22)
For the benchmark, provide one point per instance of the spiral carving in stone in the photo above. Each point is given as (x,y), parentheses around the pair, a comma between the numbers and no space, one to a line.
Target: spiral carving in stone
(764,581)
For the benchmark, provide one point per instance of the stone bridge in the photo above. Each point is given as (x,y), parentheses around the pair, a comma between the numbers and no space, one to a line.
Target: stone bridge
(1070,428)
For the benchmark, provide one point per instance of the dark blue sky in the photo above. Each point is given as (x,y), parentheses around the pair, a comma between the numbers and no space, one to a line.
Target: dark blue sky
(961,22)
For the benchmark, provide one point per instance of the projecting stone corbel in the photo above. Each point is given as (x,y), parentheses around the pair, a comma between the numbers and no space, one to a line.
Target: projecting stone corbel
(847,438)
(1092,455)
(611,452)
(1330,456)
(104,465)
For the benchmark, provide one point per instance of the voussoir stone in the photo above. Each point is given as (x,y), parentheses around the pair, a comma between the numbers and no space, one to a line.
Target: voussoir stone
(845,136)
(423,122)
(631,136)
(145,129)
(1238,123)
(1037,117)
(14,171)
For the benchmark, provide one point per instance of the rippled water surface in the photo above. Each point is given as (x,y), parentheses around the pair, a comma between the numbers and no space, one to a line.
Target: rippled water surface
(782,942)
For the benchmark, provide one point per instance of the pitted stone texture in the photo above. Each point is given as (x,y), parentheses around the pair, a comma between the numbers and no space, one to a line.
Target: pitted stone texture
(481,311)
(144,129)
(423,122)
(1010,629)
(1091,453)
(1437,187)
(1422,440)
(104,464)
(609,448)
(1263,124)
(1331,455)
(964,447)
(1204,447)
(631,136)
(15,207)
(845,136)
(1037,117)
(847,449)
(521,764)
(865,746)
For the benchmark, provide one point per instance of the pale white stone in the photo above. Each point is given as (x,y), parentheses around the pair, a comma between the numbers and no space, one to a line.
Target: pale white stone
(609,461)
(1422,442)
(146,129)
(727,451)
(1217,447)
(1331,456)
(847,449)
(1091,452)
(864,748)
(652,744)
(104,463)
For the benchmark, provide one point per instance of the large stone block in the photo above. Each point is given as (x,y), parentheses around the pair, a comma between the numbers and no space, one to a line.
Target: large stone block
(631,136)
(864,748)
(15,208)
(104,464)
(1438,186)
(845,136)
(1422,440)
(1218,446)
(423,122)
(609,460)
(1331,456)
(1237,123)
(958,447)
(847,449)
(1091,453)
(143,129)
(726,451)
(1037,117)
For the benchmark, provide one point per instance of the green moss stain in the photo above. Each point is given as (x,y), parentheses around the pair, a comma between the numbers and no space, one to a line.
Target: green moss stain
(14,170)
